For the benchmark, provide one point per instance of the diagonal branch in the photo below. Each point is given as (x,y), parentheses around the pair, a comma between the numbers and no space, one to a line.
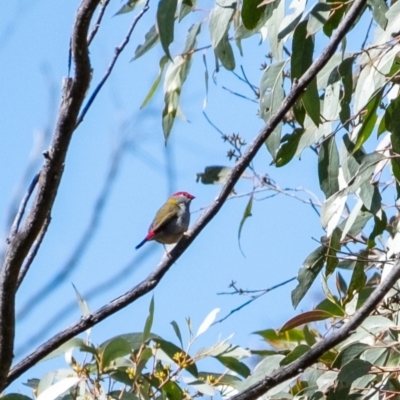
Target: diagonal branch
(155,277)
(21,241)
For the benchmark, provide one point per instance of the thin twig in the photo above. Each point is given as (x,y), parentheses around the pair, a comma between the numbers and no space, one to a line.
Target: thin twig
(98,21)
(265,291)
(239,95)
(22,207)
(32,254)
(118,51)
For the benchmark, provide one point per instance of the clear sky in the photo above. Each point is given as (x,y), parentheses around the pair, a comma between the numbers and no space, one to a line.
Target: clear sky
(34,40)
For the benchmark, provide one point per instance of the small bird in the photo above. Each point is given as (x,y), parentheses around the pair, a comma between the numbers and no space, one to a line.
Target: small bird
(171,220)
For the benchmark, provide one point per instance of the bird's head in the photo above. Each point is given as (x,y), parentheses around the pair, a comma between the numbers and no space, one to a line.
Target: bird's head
(183,197)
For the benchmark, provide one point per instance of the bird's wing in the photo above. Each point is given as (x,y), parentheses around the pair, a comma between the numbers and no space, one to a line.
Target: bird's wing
(167,213)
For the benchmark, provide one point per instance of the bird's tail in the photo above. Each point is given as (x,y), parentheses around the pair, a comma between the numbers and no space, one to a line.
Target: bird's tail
(141,243)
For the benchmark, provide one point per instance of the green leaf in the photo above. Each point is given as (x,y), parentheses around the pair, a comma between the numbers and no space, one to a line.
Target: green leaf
(334,19)
(163,61)
(83,306)
(252,13)
(219,20)
(368,119)
(271,97)
(149,321)
(224,53)
(128,7)
(346,73)
(289,147)
(135,340)
(392,122)
(187,6)
(145,356)
(380,225)
(331,307)
(15,396)
(234,365)
(349,353)
(300,350)
(358,225)
(311,268)
(328,167)
(150,40)
(379,9)
(332,211)
(311,103)
(364,171)
(290,22)
(171,350)
(277,338)
(305,318)
(222,379)
(302,57)
(371,197)
(175,76)
(177,332)
(114,349)
(333,246)
(348,374)
(173,391)
(215,174)
(165,23)
(357,282)
(74,343)
(318,17)
(353,370)
(246,214)
(310,335)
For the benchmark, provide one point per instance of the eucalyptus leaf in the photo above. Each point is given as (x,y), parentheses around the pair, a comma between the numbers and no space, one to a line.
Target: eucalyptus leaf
(150,40)
(165,23)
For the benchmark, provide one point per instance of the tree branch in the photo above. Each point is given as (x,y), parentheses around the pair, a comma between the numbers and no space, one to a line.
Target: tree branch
(311,357)
(168,260)
(21,242)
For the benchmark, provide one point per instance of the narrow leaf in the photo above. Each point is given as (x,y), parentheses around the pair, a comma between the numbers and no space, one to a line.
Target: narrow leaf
(302,57)
(305,318)
(58,389)
(246,214)
(307,274)
(234,365)
(224,53)
(165,23)
(177,332)
(295,354)
(114,349)
(207,322)
(150,40)
(219,20)
(328,167)
(252,12)
(187,6)
(149,321)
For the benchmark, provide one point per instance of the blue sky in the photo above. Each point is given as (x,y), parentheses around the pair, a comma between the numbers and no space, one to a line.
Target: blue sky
(275,240)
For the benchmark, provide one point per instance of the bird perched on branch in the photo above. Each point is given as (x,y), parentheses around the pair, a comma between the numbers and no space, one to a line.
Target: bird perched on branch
(171,220)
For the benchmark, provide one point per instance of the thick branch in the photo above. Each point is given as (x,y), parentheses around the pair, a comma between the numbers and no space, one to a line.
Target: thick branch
(21,242)
(154,278)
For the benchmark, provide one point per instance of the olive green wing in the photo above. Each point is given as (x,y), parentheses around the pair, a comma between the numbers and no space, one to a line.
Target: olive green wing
(166,214)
